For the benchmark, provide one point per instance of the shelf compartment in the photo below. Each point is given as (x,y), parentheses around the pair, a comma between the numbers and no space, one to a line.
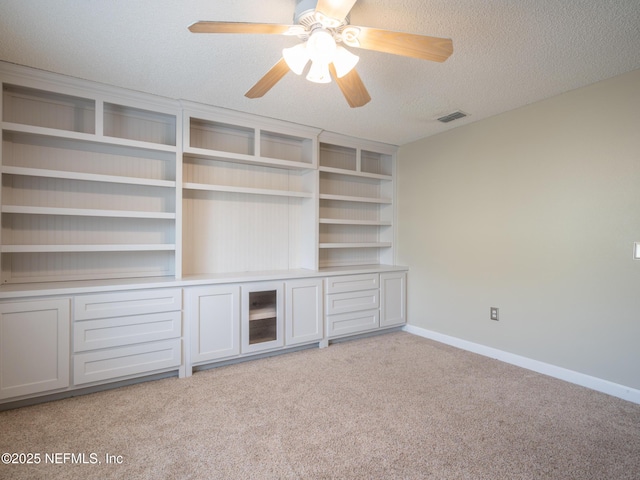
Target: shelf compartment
(286,147)
(353,211)
(221,137)
(37,195)
(85,137)
(199,153)
(88,230)
(224,176)
(349,255)
(72,156)
(250,232)
(354,186)
(39,108)
(338,157)
(35,267)
(351,234)
(137,124)
(374,163)
(263,317)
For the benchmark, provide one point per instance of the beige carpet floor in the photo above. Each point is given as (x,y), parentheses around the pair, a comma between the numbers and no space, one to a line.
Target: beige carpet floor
(384,407)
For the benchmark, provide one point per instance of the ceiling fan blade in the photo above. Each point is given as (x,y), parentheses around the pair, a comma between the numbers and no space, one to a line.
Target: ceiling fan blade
(238,27)
(352,87)
(337,9)
(407,44)
(272,77)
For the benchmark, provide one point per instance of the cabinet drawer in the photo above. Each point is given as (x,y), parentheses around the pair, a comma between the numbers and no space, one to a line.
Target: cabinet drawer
(352,301)
(121,331)
(118,304)
(354,322)
(352,283)
(121,362)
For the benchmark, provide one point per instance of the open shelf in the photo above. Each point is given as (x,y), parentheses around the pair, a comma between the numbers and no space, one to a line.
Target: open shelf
(341,171)
(252,191)
(356,245)
(84,248)
(88,177)
(349,198)
(341,221)
(262,313)
(85,212)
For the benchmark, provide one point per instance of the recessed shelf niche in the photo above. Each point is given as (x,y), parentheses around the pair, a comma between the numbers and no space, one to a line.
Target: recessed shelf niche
(41,108)
(248,191)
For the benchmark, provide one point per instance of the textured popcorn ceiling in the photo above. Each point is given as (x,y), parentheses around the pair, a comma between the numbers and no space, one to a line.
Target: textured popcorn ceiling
(507,53)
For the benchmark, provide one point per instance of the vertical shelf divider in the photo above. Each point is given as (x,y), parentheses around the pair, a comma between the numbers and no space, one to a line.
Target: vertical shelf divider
(99,117)
(178,197)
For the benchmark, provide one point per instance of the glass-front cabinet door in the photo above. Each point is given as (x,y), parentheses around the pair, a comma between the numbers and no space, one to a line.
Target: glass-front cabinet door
(262,316)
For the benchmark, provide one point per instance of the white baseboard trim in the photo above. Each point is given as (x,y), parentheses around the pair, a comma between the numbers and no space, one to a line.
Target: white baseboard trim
(594,383)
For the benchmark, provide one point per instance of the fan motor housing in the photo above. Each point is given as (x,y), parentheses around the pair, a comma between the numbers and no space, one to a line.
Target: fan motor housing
(304,13)
(304,8)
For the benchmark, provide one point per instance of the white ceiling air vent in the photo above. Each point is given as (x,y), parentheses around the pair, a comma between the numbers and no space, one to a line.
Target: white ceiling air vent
(452,116)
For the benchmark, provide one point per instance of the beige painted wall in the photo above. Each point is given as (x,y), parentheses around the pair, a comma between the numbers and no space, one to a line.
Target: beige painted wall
(534,211)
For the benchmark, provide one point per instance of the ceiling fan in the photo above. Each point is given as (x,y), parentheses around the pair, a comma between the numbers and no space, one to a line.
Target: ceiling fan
(323,25)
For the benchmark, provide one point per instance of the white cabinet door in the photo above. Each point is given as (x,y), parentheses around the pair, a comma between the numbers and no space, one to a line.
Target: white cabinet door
(34,347)
(213,314)
(393,295)
(303,317)
(262,316)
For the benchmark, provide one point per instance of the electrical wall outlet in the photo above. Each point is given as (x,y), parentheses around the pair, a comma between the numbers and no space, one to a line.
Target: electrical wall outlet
(493,313)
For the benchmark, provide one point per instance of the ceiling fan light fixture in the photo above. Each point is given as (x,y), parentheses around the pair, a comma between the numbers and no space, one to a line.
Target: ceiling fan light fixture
(296,57)
(321,46)
(319,72)
(344,61)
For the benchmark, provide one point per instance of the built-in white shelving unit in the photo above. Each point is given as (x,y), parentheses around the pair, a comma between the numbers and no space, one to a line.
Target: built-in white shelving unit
(249,193)
(142,235)
(88,182)
(355,202)
(98,183)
